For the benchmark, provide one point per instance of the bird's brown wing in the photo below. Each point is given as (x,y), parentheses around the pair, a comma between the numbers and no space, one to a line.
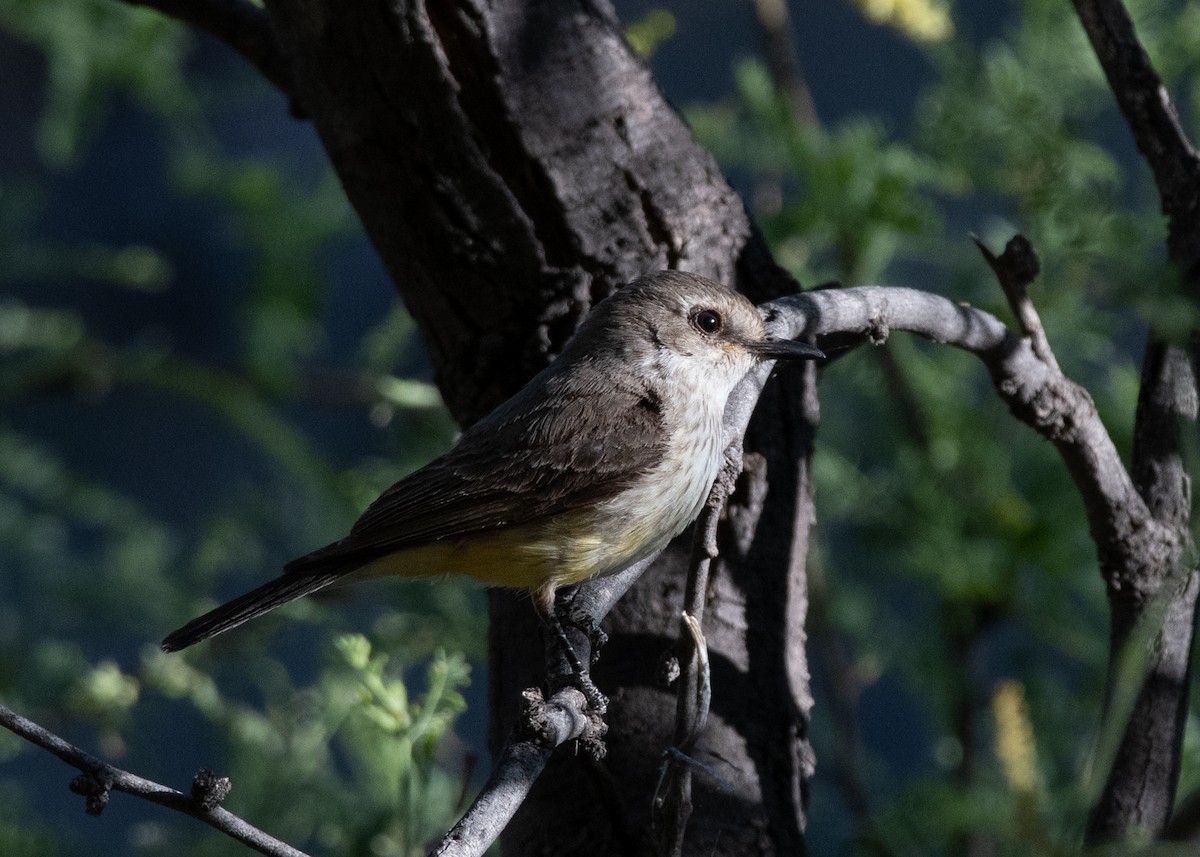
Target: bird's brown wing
(523,463)
(534,457)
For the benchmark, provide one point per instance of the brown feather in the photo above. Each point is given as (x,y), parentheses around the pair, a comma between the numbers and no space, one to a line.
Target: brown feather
(522,464)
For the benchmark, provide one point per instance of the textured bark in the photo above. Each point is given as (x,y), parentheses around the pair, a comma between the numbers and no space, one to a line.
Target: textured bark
(1154,583)
(1151,581)
(513,163)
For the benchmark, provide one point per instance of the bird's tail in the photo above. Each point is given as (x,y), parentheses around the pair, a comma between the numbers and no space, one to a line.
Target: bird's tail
(281,590)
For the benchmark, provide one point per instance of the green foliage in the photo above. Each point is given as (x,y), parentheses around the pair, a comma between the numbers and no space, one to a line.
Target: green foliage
(651,30)
(952,547)
(351,761)
(19,835)
(94,572)
(835,203)
(94,48)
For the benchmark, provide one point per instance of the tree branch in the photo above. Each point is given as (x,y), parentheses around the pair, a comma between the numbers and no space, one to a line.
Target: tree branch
(1060,410)
(243,26)
(542,726)
(1015,269)
(1140,788)
(1152,118)
(783,59)
(100,778)
(672,805)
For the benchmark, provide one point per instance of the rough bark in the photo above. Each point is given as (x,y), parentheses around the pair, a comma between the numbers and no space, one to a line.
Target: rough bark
(1154,582)
(513,163)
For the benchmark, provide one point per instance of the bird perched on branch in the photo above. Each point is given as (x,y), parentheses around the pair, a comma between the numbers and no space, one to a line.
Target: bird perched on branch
(598,462)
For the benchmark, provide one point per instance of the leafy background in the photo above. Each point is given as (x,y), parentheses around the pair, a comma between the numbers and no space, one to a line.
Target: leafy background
(204,372)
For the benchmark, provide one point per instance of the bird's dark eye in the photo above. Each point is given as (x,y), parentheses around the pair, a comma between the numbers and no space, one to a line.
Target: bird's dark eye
(707,321)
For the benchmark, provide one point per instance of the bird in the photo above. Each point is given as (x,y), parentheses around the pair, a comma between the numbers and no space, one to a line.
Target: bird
(596,463)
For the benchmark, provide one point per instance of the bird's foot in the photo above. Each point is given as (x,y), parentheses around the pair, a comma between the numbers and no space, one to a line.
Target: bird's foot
(596,700)
(582,679)
(586,622)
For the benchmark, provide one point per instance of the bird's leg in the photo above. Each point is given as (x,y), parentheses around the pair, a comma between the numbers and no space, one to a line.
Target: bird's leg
(543,601)
(584,621)
(583,678)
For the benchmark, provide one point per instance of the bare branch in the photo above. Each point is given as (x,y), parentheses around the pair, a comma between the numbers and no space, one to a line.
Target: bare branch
(542,726)
(1155,125)
(672,804)
(243,26)
(100,778)
(1121,525)
(1015,269)
(1166,397)
(1140,788)
(783,59)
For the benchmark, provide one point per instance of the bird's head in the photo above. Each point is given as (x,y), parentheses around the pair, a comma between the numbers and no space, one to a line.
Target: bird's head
(687,326)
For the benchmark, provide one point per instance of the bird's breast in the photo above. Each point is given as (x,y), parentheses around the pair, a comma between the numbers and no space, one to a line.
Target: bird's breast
(658,505)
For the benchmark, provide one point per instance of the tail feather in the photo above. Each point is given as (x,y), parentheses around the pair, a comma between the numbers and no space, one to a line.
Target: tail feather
(270,595)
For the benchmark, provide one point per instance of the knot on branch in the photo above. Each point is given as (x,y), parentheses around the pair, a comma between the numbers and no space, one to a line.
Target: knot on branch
(591,742)
(95,787)
(1015,269)
(1058,410)
(209,790)
(1146,557)
(1017,266)
(548,723)
(533,724)
(669,670)
(878,329)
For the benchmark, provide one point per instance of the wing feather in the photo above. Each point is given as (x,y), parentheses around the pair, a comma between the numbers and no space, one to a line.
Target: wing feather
(549,450)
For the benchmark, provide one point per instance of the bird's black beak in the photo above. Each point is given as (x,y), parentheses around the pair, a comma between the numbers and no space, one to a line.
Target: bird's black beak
(773,348)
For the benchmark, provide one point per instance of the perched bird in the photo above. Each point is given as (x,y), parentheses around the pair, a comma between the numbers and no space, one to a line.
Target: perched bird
(599,461)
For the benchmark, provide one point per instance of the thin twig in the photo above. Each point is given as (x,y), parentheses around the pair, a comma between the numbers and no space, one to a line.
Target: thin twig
(672,804)
(100,778)
(1015,269)
(692,708)
(703,695)
(783,60)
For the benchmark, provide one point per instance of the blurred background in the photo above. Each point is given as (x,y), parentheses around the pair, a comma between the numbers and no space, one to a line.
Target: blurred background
(204,372)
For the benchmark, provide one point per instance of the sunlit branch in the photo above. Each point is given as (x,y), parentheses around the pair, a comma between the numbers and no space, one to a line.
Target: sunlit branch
(542,726)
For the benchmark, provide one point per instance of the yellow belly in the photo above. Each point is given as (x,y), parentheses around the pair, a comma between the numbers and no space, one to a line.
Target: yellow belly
(560,553)
(573,547)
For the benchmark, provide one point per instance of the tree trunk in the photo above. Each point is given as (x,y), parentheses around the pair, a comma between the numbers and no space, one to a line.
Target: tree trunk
(513,163)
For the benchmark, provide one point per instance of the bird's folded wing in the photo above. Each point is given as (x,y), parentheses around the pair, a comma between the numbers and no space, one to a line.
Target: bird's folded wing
(516,467)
